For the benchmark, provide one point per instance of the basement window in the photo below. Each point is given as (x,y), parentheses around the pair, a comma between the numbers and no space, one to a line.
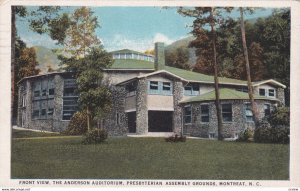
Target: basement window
(211,135)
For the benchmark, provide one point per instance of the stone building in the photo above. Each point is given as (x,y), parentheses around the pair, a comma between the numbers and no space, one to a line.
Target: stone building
(149,98)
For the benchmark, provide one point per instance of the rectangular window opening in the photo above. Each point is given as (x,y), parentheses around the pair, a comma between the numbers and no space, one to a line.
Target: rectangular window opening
(204,113)
(187,114)
(227,112)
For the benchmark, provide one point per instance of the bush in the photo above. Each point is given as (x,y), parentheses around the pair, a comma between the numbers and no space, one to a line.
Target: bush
(95,136)
(267,134)
(246,135)
(280,117)
(176,138)
(77,125)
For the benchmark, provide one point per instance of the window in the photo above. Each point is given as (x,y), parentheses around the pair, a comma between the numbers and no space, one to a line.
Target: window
(211,135)
(153,85)
(191,90)
(248,112)
(242,89)
(271,92)
(50,111)
(227,112)
(262,92)
(51,92)
(36,114)
(204,113)
(166,88)
(70,105)
(118,118)
(160,88)
(130,89)
(122,56)
(187,114)
(24,100)
(267,109)
(36,93)
(128,56)
(44,92)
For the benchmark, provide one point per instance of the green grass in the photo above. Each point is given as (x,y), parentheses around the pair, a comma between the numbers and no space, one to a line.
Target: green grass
(148,158)
(26,134)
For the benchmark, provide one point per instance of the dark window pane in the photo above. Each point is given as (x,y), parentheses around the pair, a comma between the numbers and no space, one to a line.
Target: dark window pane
(153,85)
(262,92)
(51,91)
(36,93)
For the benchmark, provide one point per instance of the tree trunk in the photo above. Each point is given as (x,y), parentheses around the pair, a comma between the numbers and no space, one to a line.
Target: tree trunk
(250,87)
(13,39)
(88,118)
(216,79)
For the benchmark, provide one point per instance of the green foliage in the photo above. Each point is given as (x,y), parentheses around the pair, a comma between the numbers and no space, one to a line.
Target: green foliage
(280,117)
(176,138)
(267,134)
(95,136)
(77,124)
(178,58)
(246,135)
(275,128)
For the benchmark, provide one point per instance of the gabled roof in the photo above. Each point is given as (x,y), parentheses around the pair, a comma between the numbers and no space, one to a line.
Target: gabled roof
(225,94)
(270,81)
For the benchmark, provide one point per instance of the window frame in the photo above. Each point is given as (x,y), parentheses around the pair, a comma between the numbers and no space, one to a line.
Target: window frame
(268,108)
(190,115)
(226,113)
(206,115)
(247,107)
(260,93)
(194,89)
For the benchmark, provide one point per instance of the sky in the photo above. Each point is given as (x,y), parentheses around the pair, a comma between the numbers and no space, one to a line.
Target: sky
(136,28)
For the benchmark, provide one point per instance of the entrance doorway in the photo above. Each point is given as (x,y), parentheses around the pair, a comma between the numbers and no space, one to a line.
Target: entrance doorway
(160,121)
(131,116)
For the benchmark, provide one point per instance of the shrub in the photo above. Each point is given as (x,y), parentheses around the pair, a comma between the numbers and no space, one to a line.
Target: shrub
(246,135)
(176,138)
(77,125)
(265,133)
(95,136)
(280,117)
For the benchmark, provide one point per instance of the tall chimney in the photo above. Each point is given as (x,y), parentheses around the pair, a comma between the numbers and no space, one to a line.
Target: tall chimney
(159,56)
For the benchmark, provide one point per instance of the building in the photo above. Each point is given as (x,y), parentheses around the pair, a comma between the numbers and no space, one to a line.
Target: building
(149,97)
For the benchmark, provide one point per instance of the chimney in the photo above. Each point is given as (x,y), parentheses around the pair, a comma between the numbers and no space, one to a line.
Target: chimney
(159,56)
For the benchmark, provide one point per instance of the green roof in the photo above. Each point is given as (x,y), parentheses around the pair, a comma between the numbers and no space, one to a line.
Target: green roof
(194,76)
(128,51)
(132,64)
(225,94)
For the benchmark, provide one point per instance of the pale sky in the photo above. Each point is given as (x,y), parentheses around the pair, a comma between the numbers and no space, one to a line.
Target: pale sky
(135,28)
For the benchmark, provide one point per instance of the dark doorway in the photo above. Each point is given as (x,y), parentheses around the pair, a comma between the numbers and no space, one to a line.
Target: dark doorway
(131,116)
(160,121)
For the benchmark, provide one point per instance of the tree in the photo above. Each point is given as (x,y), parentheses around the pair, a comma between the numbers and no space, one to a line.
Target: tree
(247,65)
(208,17)
(178,58)
(87,58)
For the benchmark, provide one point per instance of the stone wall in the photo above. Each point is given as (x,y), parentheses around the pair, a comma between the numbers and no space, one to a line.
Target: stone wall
(177,114)
(281,95)
(238,124)
(141,107)
(113,125)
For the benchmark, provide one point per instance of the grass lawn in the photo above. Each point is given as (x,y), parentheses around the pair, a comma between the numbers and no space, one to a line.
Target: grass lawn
(148,158)
(26,133)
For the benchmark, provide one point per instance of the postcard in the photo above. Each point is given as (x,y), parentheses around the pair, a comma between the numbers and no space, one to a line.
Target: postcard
(149,94)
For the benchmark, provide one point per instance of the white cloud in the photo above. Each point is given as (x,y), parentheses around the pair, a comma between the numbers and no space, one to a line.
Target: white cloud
(121,42)
(162,38)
